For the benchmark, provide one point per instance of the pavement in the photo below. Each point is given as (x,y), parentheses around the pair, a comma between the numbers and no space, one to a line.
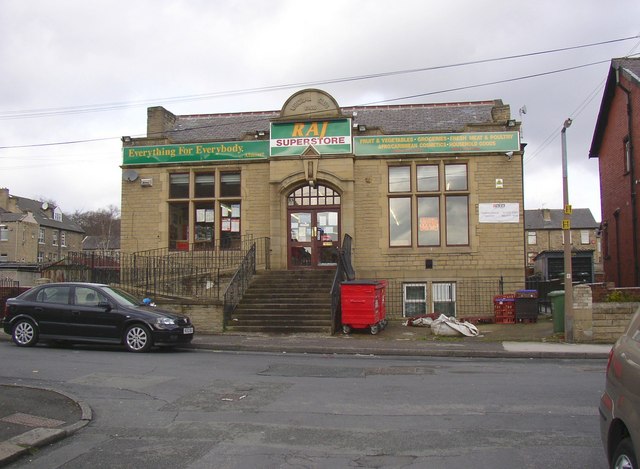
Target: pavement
(32,417)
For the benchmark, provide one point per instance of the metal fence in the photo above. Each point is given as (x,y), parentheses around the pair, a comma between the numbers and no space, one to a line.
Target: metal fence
(470,298)
(196,273)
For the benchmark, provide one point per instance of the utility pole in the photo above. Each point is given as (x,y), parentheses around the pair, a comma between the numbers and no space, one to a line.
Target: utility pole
(566,231)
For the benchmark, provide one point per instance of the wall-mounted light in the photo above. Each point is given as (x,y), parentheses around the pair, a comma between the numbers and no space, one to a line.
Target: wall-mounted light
(146,182)
(259,133)
(509,155)
(126,139)
(362,128)
(511,123)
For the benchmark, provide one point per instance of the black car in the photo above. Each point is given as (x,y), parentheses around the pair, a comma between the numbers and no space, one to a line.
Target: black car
(89,312)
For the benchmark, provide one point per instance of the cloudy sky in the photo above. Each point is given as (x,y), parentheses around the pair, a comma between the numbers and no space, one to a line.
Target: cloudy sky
(78,75)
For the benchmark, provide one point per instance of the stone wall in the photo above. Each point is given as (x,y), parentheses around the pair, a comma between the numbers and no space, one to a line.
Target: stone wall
(597,320)
(206,318)
(610,320)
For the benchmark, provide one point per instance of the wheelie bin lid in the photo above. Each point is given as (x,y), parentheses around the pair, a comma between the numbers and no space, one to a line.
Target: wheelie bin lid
(556,293)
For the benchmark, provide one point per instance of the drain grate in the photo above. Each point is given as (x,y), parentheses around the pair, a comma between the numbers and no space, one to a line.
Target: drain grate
(29,420)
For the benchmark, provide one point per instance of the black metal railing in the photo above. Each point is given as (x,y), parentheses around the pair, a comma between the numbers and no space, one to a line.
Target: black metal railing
(239,283)
(473,297)
(196,273)
(344,271)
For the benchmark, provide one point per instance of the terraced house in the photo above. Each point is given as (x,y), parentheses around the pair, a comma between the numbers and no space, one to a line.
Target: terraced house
(429,195)
(34,232)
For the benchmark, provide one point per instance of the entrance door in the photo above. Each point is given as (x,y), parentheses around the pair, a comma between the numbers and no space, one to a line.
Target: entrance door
(314,230)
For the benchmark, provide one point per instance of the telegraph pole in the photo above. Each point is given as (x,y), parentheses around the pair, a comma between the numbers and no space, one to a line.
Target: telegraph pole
(566,231)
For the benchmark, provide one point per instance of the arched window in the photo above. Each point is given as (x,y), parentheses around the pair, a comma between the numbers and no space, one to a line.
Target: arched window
(306,196)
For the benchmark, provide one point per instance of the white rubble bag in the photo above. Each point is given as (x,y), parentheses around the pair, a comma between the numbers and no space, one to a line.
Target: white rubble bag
(450,326)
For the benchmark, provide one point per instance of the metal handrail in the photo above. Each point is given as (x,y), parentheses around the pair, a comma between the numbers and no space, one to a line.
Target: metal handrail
(239,284)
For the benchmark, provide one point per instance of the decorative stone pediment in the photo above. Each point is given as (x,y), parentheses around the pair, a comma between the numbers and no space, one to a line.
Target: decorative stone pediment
(310,104)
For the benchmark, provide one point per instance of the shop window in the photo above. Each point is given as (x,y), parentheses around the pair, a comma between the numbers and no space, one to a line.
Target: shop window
(41,236)
(179,186)
(455,176)
(205,185)
(4,233)
(457,212)
(204,225)
(444,298)
(400,221)
(399,178)
(414,299)
(230,225)
(179,226)
(532,238)
(429,218)
(428,221)
(427,176)
(230,185)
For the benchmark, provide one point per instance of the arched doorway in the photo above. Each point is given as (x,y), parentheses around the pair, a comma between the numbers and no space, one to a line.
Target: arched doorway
(313,213)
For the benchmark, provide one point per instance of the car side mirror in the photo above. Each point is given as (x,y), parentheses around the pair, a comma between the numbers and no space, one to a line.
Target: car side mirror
(105,305)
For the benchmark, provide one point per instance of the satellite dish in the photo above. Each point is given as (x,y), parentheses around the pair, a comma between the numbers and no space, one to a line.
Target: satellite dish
(130,175)
(45,205)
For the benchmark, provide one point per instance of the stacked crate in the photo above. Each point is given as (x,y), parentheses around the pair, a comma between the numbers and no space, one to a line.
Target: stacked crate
(526,306)
(504,309)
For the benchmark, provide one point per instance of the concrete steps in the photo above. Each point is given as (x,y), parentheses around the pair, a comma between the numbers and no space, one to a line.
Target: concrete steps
(285,301)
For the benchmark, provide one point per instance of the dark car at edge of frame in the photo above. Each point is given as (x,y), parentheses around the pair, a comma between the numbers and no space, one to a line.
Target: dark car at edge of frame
(620,402)
(93,313)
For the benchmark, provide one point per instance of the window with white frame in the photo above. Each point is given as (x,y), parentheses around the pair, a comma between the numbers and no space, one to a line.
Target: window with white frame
(444,298)
(41,236)
(63,239)
(584,237)
(4,233)
(414,299)
(532,237)
(54,241)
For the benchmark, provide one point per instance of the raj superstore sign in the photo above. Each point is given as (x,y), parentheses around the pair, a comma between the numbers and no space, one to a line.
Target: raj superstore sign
(326,137)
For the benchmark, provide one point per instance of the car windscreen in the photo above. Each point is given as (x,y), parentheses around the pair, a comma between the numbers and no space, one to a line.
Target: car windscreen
(122,297)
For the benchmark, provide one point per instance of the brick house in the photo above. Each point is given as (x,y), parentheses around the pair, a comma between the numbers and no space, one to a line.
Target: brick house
(616,140)
(33,232)
(545,244)
(431,194)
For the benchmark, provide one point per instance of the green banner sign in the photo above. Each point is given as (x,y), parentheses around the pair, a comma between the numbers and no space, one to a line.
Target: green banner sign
(245,150)
(327,137)
(472,142)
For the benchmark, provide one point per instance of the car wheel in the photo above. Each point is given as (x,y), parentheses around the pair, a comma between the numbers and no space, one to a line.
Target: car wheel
(624,457)
(25,333)
(137,338)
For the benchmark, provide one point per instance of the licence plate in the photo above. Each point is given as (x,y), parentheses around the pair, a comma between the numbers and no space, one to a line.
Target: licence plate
(187,330)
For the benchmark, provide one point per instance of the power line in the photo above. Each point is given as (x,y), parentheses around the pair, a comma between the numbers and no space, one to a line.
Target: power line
(47,112)
(536,75)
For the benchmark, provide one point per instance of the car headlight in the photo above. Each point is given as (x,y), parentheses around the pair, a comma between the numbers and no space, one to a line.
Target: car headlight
(164,322)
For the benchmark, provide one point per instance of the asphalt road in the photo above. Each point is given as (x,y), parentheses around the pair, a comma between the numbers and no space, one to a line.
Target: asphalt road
(201,409)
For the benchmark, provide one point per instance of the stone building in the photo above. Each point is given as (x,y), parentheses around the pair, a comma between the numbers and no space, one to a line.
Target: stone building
(545,244)
(34,232)
(431,194)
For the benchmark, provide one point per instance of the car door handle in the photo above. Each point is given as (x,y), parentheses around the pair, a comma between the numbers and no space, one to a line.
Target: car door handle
(75,313)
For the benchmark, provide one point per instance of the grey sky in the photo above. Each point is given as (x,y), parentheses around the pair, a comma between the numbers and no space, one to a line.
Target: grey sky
(58,57)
